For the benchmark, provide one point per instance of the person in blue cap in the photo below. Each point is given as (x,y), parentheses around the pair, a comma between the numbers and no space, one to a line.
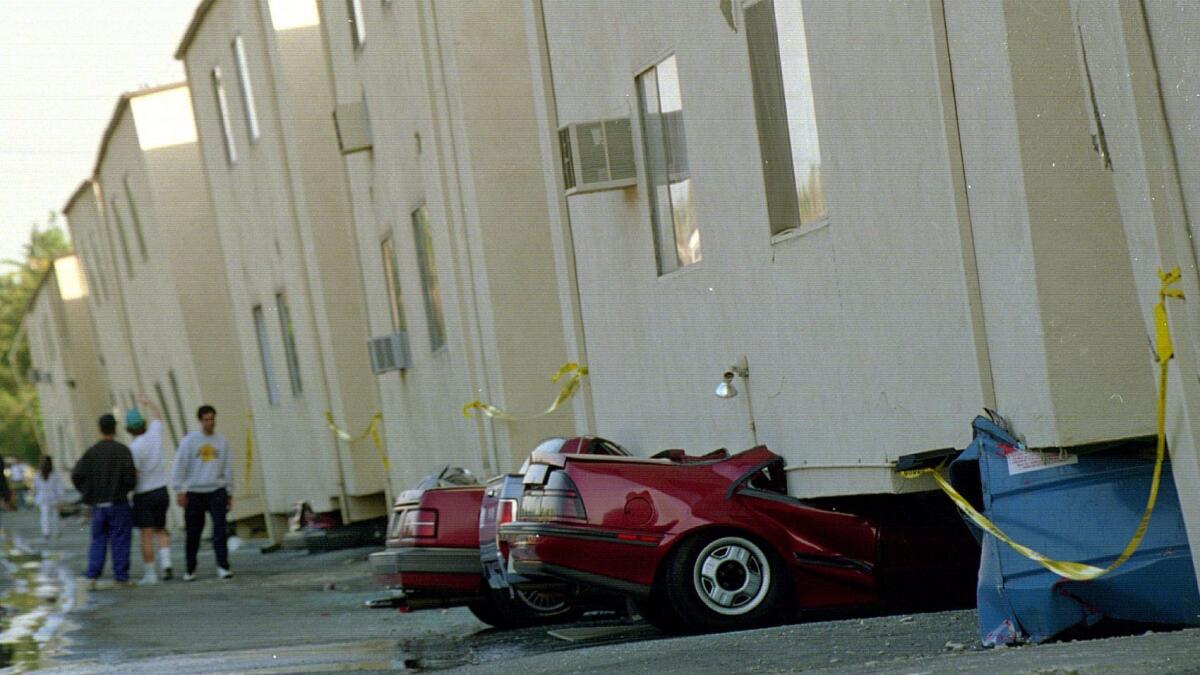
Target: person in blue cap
(150,498)
(104,477)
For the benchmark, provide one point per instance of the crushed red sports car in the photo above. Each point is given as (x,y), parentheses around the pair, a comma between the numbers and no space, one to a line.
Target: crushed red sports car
(442,548)
(715,542)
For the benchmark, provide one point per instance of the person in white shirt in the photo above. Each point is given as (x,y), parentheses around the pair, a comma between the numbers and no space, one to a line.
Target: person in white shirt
(47,493)
(202,477)
(150,498)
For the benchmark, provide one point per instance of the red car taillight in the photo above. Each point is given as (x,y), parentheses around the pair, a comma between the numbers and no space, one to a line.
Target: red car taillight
(419,524)
(557,499)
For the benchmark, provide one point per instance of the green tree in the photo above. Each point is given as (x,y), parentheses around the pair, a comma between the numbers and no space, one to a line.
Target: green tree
(19,413)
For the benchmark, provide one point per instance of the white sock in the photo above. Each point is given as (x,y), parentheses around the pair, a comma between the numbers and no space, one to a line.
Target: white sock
(149,575)
(164,558)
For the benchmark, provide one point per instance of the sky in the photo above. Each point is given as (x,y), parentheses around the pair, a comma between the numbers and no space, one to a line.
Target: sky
(63,63)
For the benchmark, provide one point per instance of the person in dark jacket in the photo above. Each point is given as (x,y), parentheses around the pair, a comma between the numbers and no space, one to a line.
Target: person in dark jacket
(105,475)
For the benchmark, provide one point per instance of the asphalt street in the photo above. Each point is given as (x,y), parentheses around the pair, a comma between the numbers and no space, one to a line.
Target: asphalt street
(289,611)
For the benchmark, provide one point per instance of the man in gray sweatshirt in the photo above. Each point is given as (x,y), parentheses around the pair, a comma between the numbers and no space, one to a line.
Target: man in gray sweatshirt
(202,477)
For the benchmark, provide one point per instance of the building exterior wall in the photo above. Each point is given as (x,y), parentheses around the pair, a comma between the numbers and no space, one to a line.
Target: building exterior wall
(93,240)
(70,382)
(447,89)
(959,265)
(176,295)
(283,223)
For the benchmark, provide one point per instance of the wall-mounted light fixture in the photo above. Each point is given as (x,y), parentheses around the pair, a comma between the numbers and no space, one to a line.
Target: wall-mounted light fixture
(725,389)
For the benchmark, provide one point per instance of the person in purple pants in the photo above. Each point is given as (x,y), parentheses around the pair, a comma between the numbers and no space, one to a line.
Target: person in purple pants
(104,476)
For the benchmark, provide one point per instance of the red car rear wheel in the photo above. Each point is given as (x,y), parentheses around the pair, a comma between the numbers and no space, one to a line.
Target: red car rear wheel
(725,581)
(525,608)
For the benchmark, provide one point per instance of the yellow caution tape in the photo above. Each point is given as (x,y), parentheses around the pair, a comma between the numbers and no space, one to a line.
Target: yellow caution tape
(1075,571)
(574,370)
(249,445)
(372,430)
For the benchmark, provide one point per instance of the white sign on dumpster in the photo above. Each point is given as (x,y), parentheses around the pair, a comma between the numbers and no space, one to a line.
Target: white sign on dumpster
(1024,461)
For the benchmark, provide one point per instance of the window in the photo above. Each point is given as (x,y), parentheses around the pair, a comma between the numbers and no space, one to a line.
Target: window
(48,339)
(787,123)
(391,273)
(429,280)
(264,352)
(162,405)
(100,271)
(178,401)
(289,344)
(676,233)
(358,27)
(223,113)
(119,225)
(87,258)
(133,215)
(243,71)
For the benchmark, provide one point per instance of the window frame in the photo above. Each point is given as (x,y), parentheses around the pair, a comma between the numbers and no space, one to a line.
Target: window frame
(435,317)
(119,226)
(786,217)
(662,230)
(179,411)
(162,404)
(357,18)
(264,354)
(222,100)
(287,334)
(242,66)
(135,217)
(391,282)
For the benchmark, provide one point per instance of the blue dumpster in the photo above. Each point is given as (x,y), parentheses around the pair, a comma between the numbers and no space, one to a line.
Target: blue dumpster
(1080,507)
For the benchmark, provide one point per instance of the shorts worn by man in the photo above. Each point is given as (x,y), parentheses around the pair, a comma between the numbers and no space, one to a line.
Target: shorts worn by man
(104,477)
(202,477)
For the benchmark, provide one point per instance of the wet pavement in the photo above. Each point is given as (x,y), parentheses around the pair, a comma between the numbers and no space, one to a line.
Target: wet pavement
(289,611)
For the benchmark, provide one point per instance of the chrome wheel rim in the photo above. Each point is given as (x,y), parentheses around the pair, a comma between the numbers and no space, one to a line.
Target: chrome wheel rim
(732,576)
(544,603)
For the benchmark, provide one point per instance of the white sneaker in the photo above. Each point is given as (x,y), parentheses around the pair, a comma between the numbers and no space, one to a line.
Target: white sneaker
(188,576)
(149,578)
(223,573)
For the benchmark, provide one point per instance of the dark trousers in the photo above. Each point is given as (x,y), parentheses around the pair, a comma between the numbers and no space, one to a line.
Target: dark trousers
(112,526)
(214,504)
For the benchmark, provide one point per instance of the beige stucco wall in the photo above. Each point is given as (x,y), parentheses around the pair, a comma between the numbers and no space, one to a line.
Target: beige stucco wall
(1140,73)
(62,345)
(973,254)
(177,298)
(284,228)
(92,238)
(456,76)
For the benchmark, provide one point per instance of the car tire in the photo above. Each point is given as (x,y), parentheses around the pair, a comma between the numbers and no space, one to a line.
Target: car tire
(725,581)
(523,608)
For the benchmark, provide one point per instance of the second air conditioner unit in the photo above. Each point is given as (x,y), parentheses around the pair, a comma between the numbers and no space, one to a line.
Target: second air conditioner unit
(389,352)
(597,156)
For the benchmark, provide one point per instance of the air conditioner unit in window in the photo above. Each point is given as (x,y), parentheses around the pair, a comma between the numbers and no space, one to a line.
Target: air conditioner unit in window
(597,156)
(389,352)
(353,126)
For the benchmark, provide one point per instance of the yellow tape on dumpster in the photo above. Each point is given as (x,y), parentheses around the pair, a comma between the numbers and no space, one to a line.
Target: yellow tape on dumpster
(1164,351)
(372,430)
(573,371)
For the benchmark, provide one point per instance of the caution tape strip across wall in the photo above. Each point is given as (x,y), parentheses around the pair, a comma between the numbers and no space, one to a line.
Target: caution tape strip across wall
(372,430)
(574,373)
(1164,352)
